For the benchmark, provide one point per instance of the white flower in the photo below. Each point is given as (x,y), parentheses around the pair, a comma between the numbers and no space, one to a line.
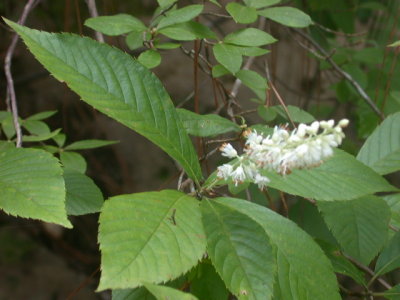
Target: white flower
(261,181)
(225,171)
(238,175)
(228,151)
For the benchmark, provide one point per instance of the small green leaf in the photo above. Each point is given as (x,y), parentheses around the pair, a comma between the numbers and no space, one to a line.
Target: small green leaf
(296,114)
(42,115)
(254,81)
(394,203)
(60,139)
(260,3)
(215,2)
(227,56)
(115,25)
(134,40)
(236,245)
(149,237)
(249,37)
(41,137)
(36,127)
(166,293)
(242,14)
(389,259)
(83,196)
(360,225)
(188,31)
(150,58)
(251,51)
(304,272)
(32,186)
(8,127)
(73,161)
(89,144)
(219,70)
(205,125)
(165,3)
(267,113)
(288,16)
(381,151)
(181,15)
(340,177)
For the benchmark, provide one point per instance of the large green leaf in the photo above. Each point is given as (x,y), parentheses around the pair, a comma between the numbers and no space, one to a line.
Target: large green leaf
(181,15)
(83,195)
(389,259)
(205,125)
(381,151)
(32,186)
(360,225)
(117,85)
(288,16)
(304,272)
(167,293)
(116,24)
(149,237)
(340,177)
(240,251)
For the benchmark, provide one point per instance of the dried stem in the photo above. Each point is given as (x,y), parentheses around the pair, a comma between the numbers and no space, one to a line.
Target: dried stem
(11,97)
(344,74)
(91,4)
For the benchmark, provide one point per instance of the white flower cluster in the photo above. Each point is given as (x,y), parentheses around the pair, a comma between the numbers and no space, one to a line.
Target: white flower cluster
(304,147)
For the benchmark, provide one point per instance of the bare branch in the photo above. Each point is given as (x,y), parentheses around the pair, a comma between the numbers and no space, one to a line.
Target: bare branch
(11,97)
(91,4)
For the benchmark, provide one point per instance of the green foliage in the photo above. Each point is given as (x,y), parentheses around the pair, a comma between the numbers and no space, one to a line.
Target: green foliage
(167,241)
(288,16)
(389,259)
(150,58)
(32,185)
(381,151)
(242,14)
(115,25)
(140,103)
(180,16)
(165,293)
(249,37)
(88,144)
(228,56)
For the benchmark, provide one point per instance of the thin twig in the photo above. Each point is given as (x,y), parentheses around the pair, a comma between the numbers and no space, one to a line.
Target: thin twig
(91,4)
(340,33)
(344,74)
(12,102)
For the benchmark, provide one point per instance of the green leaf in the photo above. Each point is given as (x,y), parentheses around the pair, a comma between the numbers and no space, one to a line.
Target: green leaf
(117,85)
(227,56)
(381,151)
(32,186)
(83,196)
(389,259)
(340,177)
(42,115)
(150,58)
(341,264)
(73,161)
(219,70)
(149,237)
(207,284)
(7,125)
(41,137)
(304,272)
(393,293)
(260,3)
(205,125)
(249,37)
(168,46)
(115,25)
(36,127)
(288,16)
(296,114)
(254,81)
(134,40)
(360,225)
(251,51)
(240,251)
(164,3)
(242,14)
(188,31)
(140,293)
(394,203)
(60,139)
(395,44)
(89,144)
(267,113)
(167,293)
(181,15)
